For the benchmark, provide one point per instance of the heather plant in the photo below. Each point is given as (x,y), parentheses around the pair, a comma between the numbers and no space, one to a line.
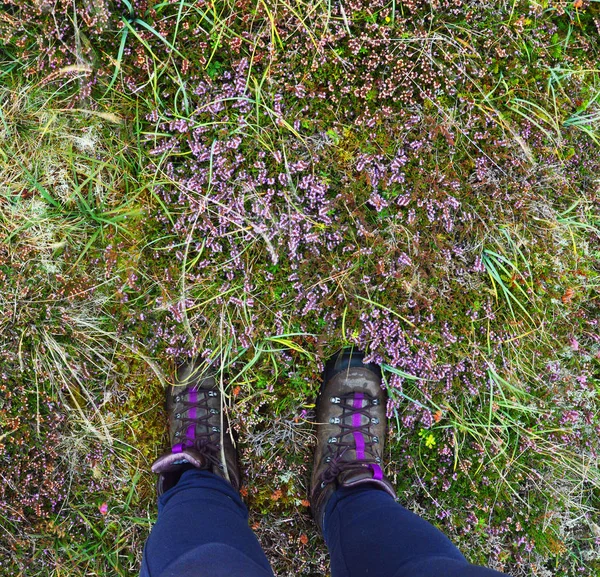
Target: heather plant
(262,183)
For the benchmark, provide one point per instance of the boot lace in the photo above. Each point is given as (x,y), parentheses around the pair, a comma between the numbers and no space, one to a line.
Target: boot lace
(356,436)
(207,442)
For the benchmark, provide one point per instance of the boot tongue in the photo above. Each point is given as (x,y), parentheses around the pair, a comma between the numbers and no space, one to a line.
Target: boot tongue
(171,461)
(367,474)
(358,474)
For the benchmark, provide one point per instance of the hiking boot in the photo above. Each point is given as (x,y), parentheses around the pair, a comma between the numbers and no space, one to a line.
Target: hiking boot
(351,430)
(199,430)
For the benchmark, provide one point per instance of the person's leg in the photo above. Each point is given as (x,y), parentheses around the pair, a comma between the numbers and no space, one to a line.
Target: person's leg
(202,527)
(369,534)
(202,531)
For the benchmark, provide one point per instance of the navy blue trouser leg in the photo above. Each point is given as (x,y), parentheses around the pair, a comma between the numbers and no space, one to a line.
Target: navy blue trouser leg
(202,531)
(368,534)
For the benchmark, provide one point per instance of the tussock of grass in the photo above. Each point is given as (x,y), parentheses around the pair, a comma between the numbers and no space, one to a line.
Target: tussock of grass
(63,195)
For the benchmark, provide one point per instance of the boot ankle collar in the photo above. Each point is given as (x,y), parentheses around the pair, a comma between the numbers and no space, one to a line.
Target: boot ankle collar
(370,474)
(361,475)
(171,461)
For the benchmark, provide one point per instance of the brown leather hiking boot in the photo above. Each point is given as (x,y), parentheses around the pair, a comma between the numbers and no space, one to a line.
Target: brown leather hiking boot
(351,430)
(199,430)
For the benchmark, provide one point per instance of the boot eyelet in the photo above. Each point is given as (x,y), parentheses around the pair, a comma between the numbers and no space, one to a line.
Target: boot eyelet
(328,459)
(376,440)
(332,440)
(335,420)
(177,398)
(178,416)
(214,412)
(375,402)
(335,400)
(375,421)
(323,484)
(216,430)
(378,459)
(178,434)
(212,393)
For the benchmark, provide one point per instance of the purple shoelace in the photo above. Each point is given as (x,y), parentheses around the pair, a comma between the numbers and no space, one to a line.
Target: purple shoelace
(190,419)
(355,405)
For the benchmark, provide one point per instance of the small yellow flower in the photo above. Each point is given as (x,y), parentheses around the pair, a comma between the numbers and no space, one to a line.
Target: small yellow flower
(430,441)
(428,437)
